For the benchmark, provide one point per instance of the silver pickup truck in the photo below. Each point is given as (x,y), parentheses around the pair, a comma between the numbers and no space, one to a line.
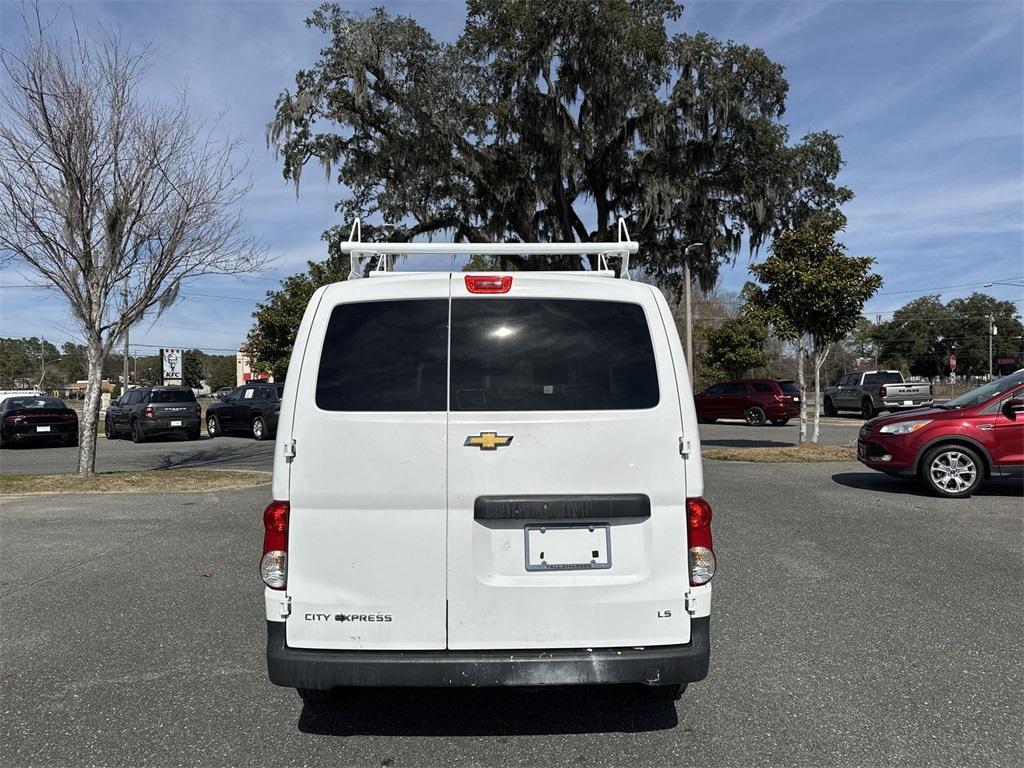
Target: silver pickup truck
(872,391)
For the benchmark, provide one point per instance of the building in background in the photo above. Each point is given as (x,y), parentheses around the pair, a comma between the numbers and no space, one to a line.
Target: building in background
(244,371)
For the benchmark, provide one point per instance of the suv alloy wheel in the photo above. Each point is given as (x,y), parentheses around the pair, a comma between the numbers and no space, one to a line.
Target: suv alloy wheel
(755,416)
(952,471)
(259,428)
(212,426)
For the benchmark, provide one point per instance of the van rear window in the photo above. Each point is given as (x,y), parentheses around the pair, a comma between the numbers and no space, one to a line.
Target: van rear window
(550,355)
(385,356)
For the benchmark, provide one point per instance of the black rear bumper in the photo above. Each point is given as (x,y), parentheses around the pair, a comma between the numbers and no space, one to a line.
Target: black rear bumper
(657,665)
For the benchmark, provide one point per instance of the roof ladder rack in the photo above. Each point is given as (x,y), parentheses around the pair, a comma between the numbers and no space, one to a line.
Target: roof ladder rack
(384,252)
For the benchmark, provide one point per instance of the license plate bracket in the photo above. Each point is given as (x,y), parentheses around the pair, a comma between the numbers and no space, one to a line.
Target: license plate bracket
(568,547)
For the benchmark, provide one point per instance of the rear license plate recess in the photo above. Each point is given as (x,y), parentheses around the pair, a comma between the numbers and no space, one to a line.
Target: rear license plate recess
(569,547)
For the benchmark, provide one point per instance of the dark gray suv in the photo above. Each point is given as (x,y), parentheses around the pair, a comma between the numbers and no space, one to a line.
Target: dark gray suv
(150,411)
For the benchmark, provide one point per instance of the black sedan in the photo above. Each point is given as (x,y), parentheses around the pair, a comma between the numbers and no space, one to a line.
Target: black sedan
(36,419)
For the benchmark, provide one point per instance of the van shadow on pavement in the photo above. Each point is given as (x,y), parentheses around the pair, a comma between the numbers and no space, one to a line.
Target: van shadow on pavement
(489,712)
(882,483)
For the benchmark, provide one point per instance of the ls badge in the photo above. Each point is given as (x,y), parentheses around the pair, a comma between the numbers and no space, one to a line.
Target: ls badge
(488,441)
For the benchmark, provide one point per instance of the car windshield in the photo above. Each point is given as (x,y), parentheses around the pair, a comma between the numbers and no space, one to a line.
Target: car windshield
(986,392)
(13,403)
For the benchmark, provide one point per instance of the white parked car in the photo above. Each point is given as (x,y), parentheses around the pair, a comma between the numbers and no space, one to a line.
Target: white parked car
(487,480)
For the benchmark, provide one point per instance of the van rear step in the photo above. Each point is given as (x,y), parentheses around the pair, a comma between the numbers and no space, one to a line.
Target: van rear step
(320,670)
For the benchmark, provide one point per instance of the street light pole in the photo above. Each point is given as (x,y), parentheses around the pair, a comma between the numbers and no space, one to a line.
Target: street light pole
(991,332)
(689,314)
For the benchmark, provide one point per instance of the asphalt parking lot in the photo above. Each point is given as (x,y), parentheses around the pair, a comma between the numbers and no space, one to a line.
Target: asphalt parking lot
(167,453)
(855,623)
(245,453)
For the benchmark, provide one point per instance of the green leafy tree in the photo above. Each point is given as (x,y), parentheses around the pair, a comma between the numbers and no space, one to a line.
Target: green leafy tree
(923,333)
(812,294)
(192,368)
(541,112)
(969,335)
(272,335)
(919,337)
(733,347)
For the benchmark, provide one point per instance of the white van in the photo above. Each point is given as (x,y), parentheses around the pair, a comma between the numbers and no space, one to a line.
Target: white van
(485,480)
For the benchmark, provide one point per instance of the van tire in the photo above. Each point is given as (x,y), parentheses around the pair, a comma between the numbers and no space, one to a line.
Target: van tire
(830,407)
(319,698)
(665,692)
(755,416)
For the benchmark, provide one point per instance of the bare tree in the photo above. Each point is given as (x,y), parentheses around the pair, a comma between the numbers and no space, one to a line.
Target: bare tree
(110,198)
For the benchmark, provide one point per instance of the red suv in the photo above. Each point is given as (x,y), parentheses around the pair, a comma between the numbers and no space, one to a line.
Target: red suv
(952,447)
(758,401)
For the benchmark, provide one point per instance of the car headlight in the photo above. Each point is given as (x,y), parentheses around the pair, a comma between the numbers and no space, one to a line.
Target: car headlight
(904,427)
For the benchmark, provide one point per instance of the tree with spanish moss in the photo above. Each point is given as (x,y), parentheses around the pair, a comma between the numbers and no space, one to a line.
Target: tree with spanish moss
(548,121)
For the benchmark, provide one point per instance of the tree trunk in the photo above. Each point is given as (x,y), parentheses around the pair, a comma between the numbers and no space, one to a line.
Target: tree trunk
(91,409)
(819,360)
(802,382)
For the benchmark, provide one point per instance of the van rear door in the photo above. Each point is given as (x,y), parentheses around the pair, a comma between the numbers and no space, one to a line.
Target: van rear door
(366,539)
(566,490)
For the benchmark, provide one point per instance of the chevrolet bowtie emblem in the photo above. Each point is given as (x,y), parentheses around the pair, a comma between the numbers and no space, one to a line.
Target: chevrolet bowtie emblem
(488,441)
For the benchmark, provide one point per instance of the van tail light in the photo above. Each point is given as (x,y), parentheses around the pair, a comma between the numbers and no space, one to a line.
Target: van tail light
(882,391)
(274,563)
(148,411)
(698,531)
(488,283)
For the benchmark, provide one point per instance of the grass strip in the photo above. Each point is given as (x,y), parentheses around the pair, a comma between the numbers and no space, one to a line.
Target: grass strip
(788,454)
(147,481)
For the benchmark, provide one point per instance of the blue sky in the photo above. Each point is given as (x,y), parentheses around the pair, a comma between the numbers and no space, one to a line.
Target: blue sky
(928,96)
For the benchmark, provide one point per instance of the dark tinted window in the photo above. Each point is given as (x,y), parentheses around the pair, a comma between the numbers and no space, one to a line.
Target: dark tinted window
(172,396)
(883,378)
(760,386)
(717,389)
(131,398)
(550,355)
(790,388)
(385,356)
(13,403)
(735,388)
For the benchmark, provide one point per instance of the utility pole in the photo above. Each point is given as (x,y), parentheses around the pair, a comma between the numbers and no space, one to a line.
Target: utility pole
(689,315)
(124,387)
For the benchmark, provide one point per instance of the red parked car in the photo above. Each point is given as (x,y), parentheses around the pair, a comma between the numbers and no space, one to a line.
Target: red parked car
(757,401)
(952,447)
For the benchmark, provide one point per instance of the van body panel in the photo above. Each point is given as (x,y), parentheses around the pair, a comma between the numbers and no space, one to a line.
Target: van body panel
(366,538)
(493,600)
